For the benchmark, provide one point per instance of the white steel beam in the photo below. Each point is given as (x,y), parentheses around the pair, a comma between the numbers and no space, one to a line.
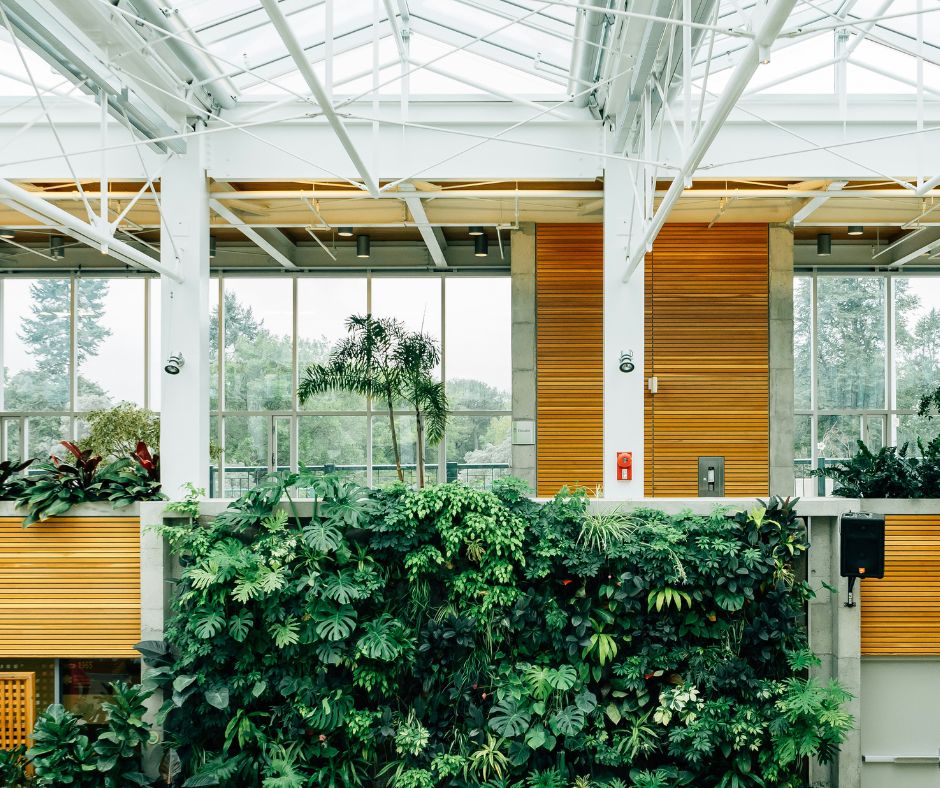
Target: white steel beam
(771,23)
(255,235)
(416,207)
(306,70)
(31,204)
(815,202)
(914,245)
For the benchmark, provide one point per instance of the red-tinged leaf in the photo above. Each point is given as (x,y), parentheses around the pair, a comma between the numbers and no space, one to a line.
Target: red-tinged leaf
(75,451)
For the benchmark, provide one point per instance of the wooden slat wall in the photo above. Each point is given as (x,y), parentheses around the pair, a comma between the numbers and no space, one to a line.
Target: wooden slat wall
(70,587)
(707,341)
(901,612)
(17,708)
(569,356)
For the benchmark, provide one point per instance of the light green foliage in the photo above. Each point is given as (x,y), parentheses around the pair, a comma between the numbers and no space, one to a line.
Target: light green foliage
(116,431)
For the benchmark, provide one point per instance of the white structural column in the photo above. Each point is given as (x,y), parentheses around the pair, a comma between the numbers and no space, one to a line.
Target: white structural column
(184,410)
(623,332)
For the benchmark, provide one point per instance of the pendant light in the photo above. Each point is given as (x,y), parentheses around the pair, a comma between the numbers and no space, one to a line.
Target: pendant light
(856,229)
(824,244)
(345,232)
(475,230)
(363,246)
(481,246)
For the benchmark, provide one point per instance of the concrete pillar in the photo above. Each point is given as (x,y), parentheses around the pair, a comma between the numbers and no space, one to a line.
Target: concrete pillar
(154,605)
(781,360)
(624,328)
(522,262)
(184,236)
(835,637)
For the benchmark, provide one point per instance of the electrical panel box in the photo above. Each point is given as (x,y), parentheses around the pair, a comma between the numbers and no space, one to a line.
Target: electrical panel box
(862,545)
(711,477)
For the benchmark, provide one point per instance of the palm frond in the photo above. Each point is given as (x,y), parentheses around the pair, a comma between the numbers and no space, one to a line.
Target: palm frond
(433,402)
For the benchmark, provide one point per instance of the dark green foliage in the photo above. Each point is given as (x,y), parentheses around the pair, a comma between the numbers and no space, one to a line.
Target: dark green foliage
(13,767)
(61,753)
(12,482)
(888,473)
(61,485)
(119,747)
(454,637)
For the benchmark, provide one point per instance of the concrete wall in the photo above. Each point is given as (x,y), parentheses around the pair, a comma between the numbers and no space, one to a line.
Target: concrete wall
(781,360)
(522,243)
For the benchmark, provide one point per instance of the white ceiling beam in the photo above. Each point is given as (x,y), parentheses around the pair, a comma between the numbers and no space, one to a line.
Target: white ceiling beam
(416,208)
(772,21)
(255,235)
(815,202)
(397,32)
(914,245)
(306,71)
(31,204)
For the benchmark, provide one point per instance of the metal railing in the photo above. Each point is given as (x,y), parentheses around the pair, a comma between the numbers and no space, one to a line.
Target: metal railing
(238,479)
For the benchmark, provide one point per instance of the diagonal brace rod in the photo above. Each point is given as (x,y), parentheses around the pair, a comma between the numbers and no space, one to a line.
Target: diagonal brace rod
(319,93)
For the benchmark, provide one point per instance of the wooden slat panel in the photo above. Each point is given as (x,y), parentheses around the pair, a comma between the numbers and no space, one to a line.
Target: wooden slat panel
(569,356)
(17,708)
(707,337)
(901,612)
(70,587)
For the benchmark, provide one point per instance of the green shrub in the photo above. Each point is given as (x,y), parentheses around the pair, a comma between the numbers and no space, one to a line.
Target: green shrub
(451,636)
(888,473)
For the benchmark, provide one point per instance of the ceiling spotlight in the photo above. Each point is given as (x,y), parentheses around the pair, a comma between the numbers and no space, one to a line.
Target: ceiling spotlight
(174,364)
(7,234)
(481,246)
(363,246)
(345,232)
(856,229)
(824,244)
(475,230)
(211,246)
(56,247)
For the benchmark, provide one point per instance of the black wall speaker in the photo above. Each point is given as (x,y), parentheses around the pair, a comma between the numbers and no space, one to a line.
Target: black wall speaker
(862,545)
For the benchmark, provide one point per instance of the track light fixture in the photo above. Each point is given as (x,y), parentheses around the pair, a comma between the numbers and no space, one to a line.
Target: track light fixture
(856,229)
(824,244)
(345,232)
(475,230)
(174,364)
(56,247)
(481,246)
(363,246)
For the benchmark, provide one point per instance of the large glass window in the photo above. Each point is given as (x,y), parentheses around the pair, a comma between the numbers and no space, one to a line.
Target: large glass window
(109,342)
(50,381)
(850,347)
(37,331)
(77,343)
(258,357)
(282,325)
(866,348)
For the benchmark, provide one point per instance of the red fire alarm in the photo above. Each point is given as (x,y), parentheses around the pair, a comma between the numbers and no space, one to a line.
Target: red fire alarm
(624,466)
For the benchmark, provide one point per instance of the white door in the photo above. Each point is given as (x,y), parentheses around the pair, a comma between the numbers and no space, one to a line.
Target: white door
(900,700)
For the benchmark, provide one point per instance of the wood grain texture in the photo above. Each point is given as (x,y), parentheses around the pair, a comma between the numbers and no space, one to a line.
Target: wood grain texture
(70,587)
(569,356)
(707,341)
(901,612)
(17,708)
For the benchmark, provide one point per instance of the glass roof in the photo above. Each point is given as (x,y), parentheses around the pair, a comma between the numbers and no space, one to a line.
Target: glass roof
(504,47)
